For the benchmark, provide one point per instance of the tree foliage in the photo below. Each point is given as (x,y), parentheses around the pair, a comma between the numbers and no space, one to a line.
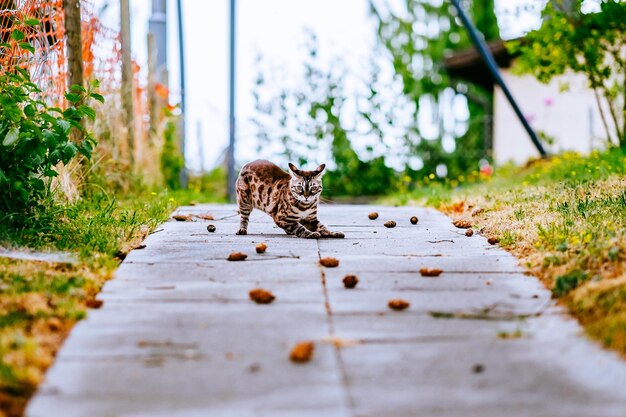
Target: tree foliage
(400,127)
(418,38)
(592,44)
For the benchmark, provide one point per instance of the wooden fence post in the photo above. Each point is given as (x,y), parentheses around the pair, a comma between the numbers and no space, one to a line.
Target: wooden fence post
(127,78)
(74,42)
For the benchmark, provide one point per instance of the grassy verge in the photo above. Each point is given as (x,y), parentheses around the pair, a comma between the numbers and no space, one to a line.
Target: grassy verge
(565,219)
(41,301)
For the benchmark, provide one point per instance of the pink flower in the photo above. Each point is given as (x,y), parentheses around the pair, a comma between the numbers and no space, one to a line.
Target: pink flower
(530,117)
(548,101)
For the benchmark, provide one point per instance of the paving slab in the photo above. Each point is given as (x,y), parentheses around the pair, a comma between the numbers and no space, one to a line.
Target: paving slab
(178,336)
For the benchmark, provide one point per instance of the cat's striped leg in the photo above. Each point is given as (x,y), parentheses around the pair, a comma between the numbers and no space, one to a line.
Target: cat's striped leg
(313,224)
(293,227)
(244,201)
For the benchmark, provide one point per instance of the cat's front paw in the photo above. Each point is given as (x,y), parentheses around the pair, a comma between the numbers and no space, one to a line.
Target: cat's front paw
(313,235)
(336,235)
(242,231)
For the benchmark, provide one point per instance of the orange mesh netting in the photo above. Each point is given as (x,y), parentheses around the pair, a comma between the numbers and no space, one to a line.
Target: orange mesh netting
(48,65)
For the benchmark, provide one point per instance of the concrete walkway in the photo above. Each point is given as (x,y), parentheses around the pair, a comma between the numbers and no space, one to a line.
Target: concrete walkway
(178,335)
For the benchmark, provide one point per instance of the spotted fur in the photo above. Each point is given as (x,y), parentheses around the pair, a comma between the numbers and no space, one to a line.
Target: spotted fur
(291,199)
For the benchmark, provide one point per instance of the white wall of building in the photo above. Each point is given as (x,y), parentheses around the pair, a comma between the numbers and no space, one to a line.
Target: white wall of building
(571,117)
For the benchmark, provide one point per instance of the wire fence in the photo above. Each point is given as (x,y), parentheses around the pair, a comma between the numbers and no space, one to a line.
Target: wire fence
(42,51)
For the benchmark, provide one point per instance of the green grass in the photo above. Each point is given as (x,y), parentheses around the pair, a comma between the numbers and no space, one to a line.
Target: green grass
(565,218)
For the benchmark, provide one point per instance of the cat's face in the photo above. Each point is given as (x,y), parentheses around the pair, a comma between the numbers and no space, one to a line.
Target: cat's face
(306,185)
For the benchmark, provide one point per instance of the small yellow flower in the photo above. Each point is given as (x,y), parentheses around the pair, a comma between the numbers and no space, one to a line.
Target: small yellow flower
(153,193)
(431,176)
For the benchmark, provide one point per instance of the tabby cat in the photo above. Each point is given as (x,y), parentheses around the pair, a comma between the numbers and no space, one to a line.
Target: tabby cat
(290,199)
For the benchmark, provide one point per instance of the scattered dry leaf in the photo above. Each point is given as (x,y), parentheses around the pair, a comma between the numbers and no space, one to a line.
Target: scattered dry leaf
(140,247)
(430,272)
(55,324)
(398,304)
(493,240)
(458,207)
(477,211)
(373,215)
(205,216)
(237,256)
(302,352)
(350,281)
(414,220)
(462,224)
(469,233)
(329,262)
(478,368)
(261,248)
(261,296)
(210,228)
(93,303)
(390,224)
(182,218)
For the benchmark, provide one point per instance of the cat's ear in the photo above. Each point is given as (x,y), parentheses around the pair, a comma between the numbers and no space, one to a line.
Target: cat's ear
(318,171)
(294,170)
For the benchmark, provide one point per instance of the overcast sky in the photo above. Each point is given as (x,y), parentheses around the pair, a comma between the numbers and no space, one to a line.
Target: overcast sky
(274,28)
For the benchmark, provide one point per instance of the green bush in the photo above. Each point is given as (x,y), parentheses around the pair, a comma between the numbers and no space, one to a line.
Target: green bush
(34,138)
(172,162)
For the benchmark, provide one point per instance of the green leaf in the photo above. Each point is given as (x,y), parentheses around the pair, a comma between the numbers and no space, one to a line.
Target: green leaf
(31,22)
(12,136)
(17,35)
(97,97)
(50,137)
(27,46)
(50,173)
(73,98)
(77,88)
(64,125)
(88,111)
(29,110)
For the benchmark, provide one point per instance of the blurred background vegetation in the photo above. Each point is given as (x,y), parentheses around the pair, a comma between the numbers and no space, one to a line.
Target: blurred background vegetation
(299,121)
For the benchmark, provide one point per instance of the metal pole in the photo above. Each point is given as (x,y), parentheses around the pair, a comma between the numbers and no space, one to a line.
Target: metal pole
(484,51)
(230,155)
(181,56)
(158,26)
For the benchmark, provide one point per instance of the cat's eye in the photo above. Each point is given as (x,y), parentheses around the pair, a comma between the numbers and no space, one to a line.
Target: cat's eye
(299,188)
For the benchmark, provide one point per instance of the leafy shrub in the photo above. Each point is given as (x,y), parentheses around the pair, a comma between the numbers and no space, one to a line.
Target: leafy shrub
(34,138)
